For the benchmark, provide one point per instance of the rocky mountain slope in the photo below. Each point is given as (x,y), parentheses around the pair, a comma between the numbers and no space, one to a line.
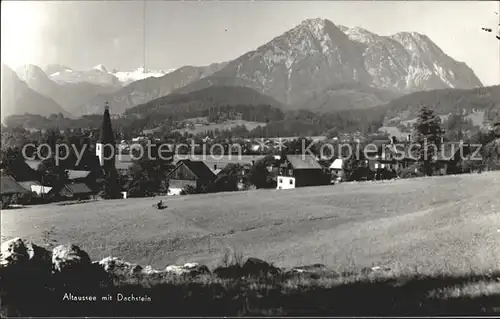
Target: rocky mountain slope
(205,99)
(143,91)
(317,55)
(409,61)
(18,98)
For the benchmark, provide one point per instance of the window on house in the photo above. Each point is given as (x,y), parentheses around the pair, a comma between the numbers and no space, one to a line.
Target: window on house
(281,180)
(291,182)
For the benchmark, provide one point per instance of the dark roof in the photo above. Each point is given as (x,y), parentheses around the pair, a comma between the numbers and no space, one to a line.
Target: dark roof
(198,168)
(106,133)
(303,162)
(10,186)
(78,188)
(76,174)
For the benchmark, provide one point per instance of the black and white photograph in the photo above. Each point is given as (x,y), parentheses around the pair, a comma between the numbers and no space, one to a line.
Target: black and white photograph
(250,158)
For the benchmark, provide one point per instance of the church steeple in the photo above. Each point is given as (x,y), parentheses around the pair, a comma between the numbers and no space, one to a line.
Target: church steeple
(106,133)
(105,147)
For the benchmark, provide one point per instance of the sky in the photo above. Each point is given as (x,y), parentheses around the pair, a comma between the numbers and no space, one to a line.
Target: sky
(169,34)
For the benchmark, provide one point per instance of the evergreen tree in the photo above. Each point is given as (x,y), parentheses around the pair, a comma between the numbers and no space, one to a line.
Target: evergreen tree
(110,188)
(428,135)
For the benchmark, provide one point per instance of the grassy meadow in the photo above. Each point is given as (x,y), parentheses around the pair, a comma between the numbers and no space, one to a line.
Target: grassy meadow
(448,224)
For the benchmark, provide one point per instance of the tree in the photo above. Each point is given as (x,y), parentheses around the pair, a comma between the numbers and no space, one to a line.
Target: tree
(12,163)
(110,188)
(259,174)
(227,180)
(148,177)
(52,174)
(428,135)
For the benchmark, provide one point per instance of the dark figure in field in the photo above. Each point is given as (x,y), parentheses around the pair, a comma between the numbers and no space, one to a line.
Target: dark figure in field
(160,205)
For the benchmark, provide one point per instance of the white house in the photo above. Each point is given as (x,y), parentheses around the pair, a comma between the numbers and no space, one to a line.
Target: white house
(337,167)
(285,182)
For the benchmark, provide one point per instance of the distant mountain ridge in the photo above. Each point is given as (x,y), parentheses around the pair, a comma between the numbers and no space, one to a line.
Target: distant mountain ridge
(446,101)
(316,65)
(317,54)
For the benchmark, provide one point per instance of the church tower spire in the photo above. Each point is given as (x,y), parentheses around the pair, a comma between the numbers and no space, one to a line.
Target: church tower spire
(105,147)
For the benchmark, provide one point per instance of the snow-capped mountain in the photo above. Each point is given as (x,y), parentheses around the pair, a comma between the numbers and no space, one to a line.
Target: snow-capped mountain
(18,98)
(69,95)
(100,75)
(148,88)
(317,54)
(139,74)
(36,79)
(97,75)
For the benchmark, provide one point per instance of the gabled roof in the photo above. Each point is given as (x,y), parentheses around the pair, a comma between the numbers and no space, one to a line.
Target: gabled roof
(337,164)
(10,186)
(198,168)
(78,188)
(303,162)
(75,174)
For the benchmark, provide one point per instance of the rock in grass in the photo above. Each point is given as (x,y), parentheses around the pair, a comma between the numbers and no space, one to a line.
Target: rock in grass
(118,266)
(16,254)
(148,270)
(258,267)
(13,253)
(69,258)
(191,269)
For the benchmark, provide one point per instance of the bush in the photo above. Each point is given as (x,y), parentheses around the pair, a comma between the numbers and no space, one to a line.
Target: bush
(412,171)
(189,190)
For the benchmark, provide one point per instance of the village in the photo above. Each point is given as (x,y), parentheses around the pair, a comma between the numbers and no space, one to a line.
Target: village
(234,165)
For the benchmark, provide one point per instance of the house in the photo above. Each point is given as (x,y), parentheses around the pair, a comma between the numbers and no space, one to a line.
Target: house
(189,173)
(304,169)
(337,168)
(451,154)
(35,188)
(70,191)
(11,189)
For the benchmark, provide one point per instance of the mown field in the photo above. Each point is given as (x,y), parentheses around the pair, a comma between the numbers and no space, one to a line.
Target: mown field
(447,224)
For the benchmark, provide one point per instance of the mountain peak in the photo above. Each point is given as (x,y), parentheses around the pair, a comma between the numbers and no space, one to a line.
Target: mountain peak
(30,71)
(101,68)
(315,22)
(53,68)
